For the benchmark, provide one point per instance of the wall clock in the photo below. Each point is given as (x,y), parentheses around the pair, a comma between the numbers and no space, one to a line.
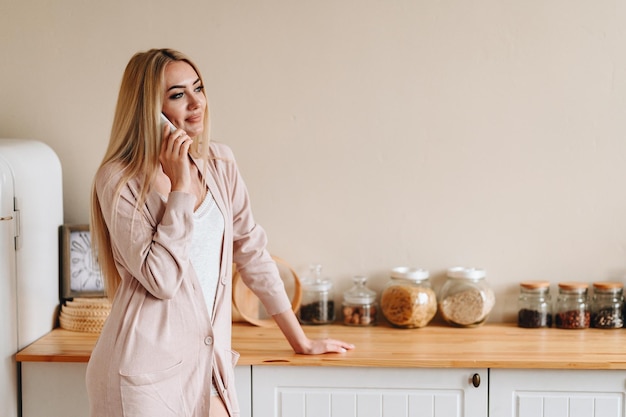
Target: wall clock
(80,273)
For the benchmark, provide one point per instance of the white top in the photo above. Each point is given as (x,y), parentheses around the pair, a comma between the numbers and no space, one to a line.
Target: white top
(206,247)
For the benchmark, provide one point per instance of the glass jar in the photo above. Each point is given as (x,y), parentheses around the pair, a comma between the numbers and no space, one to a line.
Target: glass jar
(408,301)
(466,299)
(535,305)
(572,307)
(317,306)
(359,304)
(607,305)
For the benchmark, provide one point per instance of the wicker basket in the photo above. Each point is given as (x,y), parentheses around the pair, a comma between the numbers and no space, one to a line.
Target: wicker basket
(85,315)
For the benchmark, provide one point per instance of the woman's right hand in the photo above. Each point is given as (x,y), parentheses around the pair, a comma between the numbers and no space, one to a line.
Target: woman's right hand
(174,158)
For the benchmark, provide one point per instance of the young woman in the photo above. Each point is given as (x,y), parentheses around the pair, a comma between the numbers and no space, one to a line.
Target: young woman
(170,215)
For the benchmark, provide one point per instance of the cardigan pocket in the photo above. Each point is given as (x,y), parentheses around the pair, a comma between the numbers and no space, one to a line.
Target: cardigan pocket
(226,383)
(153,394)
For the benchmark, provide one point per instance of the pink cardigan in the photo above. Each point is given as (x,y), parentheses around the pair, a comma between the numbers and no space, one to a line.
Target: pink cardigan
(158,348)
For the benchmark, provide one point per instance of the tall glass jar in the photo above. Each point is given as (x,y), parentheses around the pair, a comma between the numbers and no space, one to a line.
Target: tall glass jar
(607,305)
(359,304)
(572,307)
(407,300)
(318,305)
(466,299)
(535,305)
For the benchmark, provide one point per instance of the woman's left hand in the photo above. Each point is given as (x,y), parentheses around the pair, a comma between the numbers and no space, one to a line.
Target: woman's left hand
(300,343)
(319,346)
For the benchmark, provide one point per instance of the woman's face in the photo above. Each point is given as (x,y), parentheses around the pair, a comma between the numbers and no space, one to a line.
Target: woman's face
(184,102)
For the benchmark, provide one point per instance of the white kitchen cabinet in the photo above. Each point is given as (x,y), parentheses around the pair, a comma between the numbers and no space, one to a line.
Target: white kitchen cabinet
(57,389)
(556,393)
(292,391)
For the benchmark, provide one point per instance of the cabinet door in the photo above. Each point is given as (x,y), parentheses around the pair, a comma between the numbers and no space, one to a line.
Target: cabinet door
(283,391)
(54,389)
(243,385)
(556,393)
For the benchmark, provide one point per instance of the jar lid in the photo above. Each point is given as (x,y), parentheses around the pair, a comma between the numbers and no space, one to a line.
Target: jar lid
(608,285)
(359,293)
(573,286)
(314,281)
(534,285)
(466,273)
(318,285)
(405,272)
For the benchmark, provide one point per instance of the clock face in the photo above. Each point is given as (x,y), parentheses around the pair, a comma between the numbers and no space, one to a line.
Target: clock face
(84,270)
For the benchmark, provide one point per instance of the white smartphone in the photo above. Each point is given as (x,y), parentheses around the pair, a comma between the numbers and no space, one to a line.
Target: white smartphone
(165,120)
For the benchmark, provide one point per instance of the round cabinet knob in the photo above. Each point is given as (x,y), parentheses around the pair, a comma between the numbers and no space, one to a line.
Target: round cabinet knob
(476,380)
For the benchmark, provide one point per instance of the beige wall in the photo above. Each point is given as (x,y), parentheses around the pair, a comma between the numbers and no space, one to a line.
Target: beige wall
(371,133)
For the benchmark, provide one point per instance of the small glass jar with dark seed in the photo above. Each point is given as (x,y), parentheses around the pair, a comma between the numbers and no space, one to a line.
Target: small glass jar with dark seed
(317,306)
(572,306)
(535,305)
(607,305)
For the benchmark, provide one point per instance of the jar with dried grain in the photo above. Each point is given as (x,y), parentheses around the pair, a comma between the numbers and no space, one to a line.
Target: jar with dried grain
(466,299)
(359,304)
(408,301)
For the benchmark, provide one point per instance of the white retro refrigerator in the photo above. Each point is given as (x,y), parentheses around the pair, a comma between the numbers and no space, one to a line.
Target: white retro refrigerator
(31,211)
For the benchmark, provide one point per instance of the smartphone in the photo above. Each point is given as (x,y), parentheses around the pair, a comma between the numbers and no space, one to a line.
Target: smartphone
(165,120)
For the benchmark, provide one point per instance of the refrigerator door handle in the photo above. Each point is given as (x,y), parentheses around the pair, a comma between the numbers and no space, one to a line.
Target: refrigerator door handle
(6,218)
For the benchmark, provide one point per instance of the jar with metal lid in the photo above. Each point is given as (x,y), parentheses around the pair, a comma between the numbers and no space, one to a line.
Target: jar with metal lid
(466,299)
(572,306)
(408,301)
(359,304)
(607,305)
(535,305)
(318,305)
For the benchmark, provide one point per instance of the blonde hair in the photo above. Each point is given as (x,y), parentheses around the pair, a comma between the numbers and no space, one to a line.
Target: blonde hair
(135,143)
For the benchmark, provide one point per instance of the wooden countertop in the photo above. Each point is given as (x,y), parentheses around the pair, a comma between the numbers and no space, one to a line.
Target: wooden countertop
(434,346)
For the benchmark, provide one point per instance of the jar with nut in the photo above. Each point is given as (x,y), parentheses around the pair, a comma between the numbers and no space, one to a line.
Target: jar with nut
(535,309)
(466,299)
(359,304)
(317,306)
(408,301)
(572,307)
(607,305)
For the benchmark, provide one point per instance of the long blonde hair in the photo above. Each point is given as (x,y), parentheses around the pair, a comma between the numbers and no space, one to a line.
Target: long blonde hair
(135,143)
